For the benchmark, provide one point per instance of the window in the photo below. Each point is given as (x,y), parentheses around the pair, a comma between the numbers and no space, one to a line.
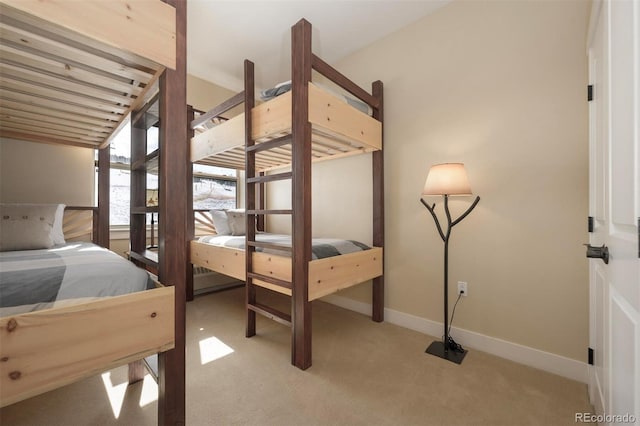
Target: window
(120,177)
(213,187)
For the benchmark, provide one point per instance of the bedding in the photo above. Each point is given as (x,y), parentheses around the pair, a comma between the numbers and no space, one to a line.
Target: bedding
(30,226)
(282,88)
(237,222)
(31,280)
(221,222)
(320,247)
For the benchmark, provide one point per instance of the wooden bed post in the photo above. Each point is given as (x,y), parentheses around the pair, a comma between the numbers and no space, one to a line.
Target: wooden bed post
(104,165)
(250,196)
(260,220)
(137,222)
(378,207)
(190,214)
(172,228)
(301,60)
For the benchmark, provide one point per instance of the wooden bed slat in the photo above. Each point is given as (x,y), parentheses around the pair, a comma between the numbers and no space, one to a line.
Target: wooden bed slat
(59,67)
(55,104)
(57,82)
(7,82)
(146,29)
(30,117)
(47,69)
(34,137)
(52,129)
(50,48)
(9,106)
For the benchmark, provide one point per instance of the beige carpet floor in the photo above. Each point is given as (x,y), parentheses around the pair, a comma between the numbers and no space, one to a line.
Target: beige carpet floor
(363,373)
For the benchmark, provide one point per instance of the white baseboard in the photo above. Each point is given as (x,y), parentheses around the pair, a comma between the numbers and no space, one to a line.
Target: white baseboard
(556,364)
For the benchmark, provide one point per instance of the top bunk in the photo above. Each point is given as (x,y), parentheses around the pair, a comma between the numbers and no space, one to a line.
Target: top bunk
(340,125)
(67,77)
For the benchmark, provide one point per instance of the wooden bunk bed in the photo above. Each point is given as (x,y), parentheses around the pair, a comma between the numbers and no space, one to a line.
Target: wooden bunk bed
(71,73)
(302,126)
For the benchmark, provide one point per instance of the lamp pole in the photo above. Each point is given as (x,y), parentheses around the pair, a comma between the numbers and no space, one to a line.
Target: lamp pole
(443,349)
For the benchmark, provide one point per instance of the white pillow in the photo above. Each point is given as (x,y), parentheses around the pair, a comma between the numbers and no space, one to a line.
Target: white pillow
(237,221)
(26,226)
(221,222)
(57,234)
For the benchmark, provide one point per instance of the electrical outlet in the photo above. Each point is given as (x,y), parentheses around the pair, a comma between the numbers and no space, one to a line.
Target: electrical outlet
(462,288)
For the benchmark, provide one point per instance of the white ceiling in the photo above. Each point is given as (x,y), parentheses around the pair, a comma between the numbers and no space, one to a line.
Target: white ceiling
(222,34)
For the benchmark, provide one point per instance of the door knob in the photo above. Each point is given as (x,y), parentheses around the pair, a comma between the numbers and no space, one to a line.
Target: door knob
(598,252)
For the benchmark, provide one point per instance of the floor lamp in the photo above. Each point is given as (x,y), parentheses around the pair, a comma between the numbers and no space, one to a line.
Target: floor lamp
(447,179)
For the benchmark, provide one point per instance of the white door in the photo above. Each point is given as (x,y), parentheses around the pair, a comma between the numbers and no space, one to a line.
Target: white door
(614,117)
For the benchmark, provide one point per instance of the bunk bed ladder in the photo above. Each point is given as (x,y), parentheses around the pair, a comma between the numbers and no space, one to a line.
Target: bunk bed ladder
(255,216)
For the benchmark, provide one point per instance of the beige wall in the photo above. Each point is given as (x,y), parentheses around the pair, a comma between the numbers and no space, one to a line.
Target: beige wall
(41,173)
(120,245)
(204,95)
(500,86)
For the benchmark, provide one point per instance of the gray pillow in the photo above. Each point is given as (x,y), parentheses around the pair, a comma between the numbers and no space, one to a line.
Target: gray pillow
(237,221)
(26,226)
(221,222)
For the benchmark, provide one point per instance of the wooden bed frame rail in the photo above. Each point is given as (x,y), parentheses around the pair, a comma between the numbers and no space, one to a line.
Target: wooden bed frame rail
(326,276)
(43,350)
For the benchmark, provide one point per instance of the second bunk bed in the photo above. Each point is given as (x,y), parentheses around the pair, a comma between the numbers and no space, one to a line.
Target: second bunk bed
(304,125)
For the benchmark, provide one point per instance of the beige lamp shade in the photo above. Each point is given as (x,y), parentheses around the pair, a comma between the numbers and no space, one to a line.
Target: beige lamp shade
(152,197)
(447,179)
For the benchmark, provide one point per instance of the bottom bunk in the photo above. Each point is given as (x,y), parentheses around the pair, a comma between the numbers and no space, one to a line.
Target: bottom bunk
(345,268)
(70,310)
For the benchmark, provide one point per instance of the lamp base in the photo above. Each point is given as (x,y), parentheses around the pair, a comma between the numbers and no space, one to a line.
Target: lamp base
(437,349)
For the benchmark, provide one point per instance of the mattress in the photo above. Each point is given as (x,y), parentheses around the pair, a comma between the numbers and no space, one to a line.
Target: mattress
(320,247)
(31,280)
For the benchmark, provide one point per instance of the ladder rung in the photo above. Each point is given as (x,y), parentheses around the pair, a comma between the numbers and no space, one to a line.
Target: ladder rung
(259,212)
(271,313)
(274,143)
(270,178)
(266,245)
(269,279)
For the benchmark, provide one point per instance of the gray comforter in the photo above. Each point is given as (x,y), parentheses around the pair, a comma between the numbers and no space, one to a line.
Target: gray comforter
(38,279)
(320,247)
